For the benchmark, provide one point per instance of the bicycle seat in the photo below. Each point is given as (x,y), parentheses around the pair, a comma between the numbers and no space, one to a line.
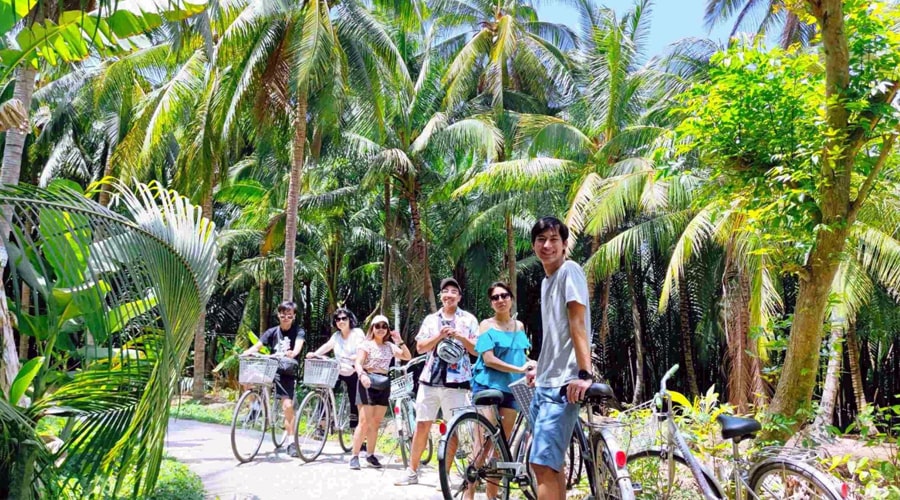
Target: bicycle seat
(738,427)
(490,397)
(598,392)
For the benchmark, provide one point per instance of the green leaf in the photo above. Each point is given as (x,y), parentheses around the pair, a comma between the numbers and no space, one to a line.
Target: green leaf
(23,380)
(122,314)
(11,11)
(680,399)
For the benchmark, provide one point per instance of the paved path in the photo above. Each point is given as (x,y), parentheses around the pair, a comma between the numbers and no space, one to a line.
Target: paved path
(206,449)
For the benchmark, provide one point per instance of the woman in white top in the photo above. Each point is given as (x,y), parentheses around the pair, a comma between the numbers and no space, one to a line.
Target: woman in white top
(345,343)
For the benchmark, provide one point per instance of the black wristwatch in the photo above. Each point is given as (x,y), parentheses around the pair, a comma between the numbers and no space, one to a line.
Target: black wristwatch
(585,375)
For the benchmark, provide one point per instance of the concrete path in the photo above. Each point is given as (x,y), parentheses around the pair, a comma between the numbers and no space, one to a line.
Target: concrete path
(206,449)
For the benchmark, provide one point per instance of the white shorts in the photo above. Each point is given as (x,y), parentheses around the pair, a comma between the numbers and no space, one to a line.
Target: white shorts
(430,399)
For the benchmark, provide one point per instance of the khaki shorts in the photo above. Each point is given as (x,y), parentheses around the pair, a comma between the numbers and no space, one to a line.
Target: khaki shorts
(430,399)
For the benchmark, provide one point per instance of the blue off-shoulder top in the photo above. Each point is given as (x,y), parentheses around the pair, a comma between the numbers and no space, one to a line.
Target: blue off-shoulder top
(509,347)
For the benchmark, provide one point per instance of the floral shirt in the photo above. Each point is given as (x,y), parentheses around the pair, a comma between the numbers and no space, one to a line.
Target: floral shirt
(378,357)
(460,373)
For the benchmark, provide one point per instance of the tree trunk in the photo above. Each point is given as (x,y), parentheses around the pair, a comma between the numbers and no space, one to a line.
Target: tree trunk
(687,345)
(9,176)
(634,283)
(736,298)
(859,393)
(386,267)
(511,256)
(420,248)
(833,373)
(307,318)
(290,229)
(263,306)
(604,322)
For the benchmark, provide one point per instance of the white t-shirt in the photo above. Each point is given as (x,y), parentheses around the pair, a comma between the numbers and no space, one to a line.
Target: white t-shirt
(345,350)
(557,364)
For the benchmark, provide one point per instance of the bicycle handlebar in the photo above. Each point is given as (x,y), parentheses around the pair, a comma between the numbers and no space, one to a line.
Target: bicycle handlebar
(405,368)
(665,378)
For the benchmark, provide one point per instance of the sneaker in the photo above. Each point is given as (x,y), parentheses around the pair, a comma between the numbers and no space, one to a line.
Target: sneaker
(409,478)
(292,450)
(319,435)
(354,463)
(373,461)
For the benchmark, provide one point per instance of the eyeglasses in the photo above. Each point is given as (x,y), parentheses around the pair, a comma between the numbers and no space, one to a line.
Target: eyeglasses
(286,314)
(341,318)
(450,291)
(380,326)
(500,296)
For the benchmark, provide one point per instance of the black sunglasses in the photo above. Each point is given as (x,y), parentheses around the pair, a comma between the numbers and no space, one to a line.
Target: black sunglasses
(341,318)
(500,296)
(380,326)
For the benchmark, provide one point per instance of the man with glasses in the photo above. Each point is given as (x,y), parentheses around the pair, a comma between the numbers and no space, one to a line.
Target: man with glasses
(287,337)
(448,336)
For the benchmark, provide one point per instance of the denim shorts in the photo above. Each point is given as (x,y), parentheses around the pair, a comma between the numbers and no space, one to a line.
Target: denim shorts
(554,421)
(508,400)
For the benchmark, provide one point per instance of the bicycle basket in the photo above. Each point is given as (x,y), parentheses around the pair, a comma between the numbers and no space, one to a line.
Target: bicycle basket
(523,395)
(321,372)
(634,428)
(402,386)
(259,371)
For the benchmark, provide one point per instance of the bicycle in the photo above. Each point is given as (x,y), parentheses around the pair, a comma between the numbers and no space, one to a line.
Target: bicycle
(403,410)
(257,409)
(670,470)
(322,413)
(608,479)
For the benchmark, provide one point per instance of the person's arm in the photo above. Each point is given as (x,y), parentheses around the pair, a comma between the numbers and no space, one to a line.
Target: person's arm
(363,376)
(298,344)
(426,340)
(253,349)
(492,361)
(323,349)
(467,339)
(582,347)
(399,347)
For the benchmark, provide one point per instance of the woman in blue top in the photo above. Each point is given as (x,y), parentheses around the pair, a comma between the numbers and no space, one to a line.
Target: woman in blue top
(501,350)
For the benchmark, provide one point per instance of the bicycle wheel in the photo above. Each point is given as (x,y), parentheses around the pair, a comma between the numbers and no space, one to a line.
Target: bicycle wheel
(526,480)
(344,432)
(472,465)
(574,462)
(248,426)
(429,451)
(279,432)
(649,472)
(312,419)
(784,479)
(606,482)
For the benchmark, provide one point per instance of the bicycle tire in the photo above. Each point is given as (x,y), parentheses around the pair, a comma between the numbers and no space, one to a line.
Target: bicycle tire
(428,454)
(648,481)
(523,454)
(806,481)
(404,433)
(279,432)
(576,463)
(248,425)
(465,428)
(344,432)
(312,426)
(526,482)
(606,482)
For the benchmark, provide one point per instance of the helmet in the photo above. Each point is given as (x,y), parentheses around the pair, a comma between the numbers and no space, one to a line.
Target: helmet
(450,351)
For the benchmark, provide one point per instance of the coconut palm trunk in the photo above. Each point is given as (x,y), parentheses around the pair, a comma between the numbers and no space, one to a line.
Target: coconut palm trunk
(833,372)
(9,175)
(290,230)
(386,267)
(198,389)
(687,345)
(420,248)
(511,254)
(637,317)
(859,393)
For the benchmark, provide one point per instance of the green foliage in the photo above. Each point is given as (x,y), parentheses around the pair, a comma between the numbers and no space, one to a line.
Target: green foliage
(176,482)
(190,410)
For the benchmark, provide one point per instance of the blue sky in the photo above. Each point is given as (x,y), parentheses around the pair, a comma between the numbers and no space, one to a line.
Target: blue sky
(670,20)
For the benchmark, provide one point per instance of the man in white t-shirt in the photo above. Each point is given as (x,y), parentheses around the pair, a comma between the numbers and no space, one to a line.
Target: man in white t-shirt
(564,370)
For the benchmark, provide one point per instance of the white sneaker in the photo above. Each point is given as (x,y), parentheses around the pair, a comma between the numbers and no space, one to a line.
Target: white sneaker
(409,478)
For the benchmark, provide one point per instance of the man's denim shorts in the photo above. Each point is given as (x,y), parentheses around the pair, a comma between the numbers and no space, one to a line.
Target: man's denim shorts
(554,421)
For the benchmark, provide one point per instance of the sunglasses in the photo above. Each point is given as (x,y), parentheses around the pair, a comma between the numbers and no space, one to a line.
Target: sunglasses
(286,314)
(380,326)
(341,318)
(500,296)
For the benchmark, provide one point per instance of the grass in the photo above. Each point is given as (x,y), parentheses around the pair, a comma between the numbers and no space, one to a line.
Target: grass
(176,482)
(190,410)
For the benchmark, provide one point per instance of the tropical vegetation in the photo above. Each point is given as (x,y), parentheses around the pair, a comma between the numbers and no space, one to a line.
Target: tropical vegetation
(735,205)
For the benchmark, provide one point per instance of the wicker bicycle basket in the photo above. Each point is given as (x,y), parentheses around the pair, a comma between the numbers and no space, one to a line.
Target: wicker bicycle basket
(402,386)
(523,394)
(260,371)
(321,372)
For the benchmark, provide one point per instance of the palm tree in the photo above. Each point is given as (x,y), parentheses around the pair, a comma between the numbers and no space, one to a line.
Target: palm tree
(160,255)
(760,17)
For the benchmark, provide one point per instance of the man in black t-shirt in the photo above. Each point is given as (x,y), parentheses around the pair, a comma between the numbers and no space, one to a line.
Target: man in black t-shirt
(291,337)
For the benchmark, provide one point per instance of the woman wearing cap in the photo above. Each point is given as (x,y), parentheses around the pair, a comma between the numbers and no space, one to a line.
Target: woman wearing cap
(374,387)
(501,360)
(345,342)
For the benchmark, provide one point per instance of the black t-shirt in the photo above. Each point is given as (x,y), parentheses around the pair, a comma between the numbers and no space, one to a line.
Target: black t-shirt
(271,337)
